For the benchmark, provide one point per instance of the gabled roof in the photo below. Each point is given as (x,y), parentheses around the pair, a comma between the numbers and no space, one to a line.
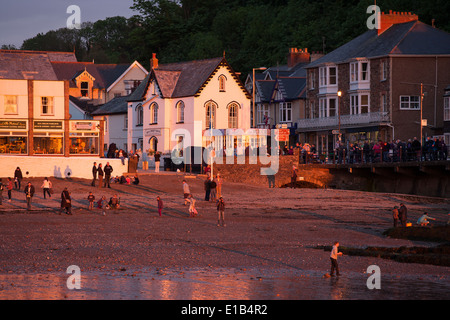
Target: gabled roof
(410,38)
(183,79)
(118,105)
(104,74)
(265,89)
(292,88)
(135,63)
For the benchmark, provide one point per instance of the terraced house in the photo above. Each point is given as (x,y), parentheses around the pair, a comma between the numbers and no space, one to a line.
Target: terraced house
(385,84)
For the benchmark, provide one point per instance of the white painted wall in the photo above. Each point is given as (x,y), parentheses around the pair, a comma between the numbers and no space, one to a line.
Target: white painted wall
(59,167)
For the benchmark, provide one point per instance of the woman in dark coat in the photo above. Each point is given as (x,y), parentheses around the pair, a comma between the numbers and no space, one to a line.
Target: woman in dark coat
(66,202)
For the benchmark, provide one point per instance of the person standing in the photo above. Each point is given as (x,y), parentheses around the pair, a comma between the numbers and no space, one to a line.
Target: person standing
(207,188)
(213,186)
(91,199)
(294,178)
(17,178)
(157,161)
(160,205)
(333,257)
(100,175)
(107,171)
(192,210)
(221,212)
(186,192)
(46,185)
(395,216)
(66,202)
(402,214)
(29,193)
(94,174)
(10,187)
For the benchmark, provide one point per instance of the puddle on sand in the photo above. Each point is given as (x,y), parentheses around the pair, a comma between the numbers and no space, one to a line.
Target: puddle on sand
(220,284)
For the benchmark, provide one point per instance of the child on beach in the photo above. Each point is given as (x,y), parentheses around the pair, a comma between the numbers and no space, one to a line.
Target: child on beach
(102,204)
(160,205)
(221,212)
(192,211)
(91,199)
(333,257)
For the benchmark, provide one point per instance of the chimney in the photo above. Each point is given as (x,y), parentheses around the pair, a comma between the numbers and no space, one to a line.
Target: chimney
(153,62)
(316,55)
(388,20)
(296,56)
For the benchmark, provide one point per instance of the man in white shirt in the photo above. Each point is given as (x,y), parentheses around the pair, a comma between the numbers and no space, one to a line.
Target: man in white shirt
(333,257)
(186,192)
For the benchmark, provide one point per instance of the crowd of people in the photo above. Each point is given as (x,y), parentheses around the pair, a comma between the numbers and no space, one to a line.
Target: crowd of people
(434,149)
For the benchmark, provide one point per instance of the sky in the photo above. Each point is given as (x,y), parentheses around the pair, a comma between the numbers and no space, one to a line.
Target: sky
(24,19)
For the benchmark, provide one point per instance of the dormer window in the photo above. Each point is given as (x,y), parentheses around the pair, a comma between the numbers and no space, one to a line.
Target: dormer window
(84,87)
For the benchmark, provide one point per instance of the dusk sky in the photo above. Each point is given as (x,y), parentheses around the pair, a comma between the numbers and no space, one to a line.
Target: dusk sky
(23,19)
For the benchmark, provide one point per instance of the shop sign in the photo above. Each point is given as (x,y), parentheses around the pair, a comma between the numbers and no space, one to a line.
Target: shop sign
(13,124)
(282,134)
(152,132)
(47,125)
(83,125)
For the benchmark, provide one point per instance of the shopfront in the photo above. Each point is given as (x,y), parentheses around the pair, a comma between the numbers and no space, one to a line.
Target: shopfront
(13,137)
(84,137)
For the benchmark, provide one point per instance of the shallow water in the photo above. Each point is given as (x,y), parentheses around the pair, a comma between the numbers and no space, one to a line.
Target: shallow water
(223,284)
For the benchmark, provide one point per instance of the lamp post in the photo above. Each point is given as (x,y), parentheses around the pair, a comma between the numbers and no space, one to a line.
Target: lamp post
(339,93)
(253,93)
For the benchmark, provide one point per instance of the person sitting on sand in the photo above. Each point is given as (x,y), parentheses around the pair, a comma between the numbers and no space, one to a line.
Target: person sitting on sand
(114,202)
(423,220)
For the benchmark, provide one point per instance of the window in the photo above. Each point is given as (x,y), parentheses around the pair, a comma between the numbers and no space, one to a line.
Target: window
(359,104)
(323,76)
(154,113)
(333,76)
(447,109)
(384,106)
(312,79)
(48,145)
(180,112)
(84,87)
(322,108)
(139,115)
(383,70)
(222,80)
(285,112)
(409,103)
(10,105)
(131,85)
(359,71)
(125,122)
(47,105)
(233,115)
(328,107)
(332,107)
(210,115)
(263,114)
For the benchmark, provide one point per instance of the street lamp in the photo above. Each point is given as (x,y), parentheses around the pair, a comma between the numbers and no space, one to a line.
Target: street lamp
(253,93)
(339,93)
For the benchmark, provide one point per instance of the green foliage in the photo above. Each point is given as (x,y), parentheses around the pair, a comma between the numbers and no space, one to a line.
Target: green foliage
(252,33)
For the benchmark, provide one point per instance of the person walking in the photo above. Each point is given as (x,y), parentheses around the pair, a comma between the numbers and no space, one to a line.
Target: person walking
(186,192)
(221,212)
(9,187)
(107,171)
(66,202)
(46,185)
(100,175)
(17,178)
(402,214)
(192,210)
(29,193)
(157,161)
(207,188)
(94,174)
(395,216)
(160,205)
(333,257)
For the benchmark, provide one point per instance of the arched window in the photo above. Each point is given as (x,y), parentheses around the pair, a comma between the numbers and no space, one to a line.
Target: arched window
(222,80)
(210,115)
(139,115)
(180,112)
(154,113)
(233,115)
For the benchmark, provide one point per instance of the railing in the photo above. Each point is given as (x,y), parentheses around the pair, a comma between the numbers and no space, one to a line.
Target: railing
(346,120)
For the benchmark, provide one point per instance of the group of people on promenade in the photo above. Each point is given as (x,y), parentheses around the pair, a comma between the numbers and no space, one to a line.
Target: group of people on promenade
(433,149)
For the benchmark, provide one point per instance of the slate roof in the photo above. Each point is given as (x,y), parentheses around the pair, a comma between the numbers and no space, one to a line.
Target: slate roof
(21,65)
(292,88)
(265,89)
(104,74)
(410,38)
(117,105)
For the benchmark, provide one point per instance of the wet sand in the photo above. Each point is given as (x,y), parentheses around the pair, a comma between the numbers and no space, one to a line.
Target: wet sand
(266,251)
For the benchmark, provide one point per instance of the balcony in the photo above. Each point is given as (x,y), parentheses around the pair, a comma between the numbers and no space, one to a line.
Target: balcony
(348,120)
